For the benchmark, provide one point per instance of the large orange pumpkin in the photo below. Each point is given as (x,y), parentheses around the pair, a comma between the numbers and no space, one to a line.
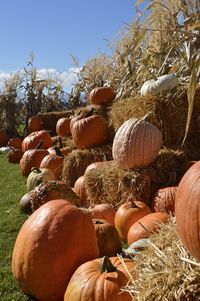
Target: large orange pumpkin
(100,280)
(187,210)
(146,225)
(102,95)
(127,214)
(52,243)
(89,131)
(33,139)
(136,143)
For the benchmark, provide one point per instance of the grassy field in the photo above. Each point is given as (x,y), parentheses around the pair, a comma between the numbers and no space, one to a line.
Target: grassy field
(12,188)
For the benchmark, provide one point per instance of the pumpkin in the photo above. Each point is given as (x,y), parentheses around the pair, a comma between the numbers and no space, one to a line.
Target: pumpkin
(127,214)
(34,123)
(88,131)
(102,211)
(14,155)
(63,127)
(15,142)
(107,237)
(52,243)
(37,176)
(94,165)
(32,140)
(136,143)
(187,208)
(32,158)
(54,162)
(100,280)
(47,191)
(25,202)
(146,225)
(102,95)
(163,83)
(164,200)
(3,138)
(79,189)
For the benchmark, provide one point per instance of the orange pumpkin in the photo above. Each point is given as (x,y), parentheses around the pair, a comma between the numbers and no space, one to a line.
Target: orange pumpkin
(63,127)
(52,243)
(129,213)
(100,279)
(3,138)
(187,208)
(15,142)
(89,131)
(79,189)
(147,225)
(54,162)
(34,123)
(32,140)
(164,200)
(102,211)
(108,238)
(94,165)
(14,155)
(102,95)
(136,143)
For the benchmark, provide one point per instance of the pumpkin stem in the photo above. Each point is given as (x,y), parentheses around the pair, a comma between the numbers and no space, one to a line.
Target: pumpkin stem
(39,144)
(58,151)
(149,114)
(36,169)
(107,265)
(60,142)
(89,113)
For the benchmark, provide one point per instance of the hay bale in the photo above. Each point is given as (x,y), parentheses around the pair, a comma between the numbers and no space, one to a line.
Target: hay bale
(63,141)
(49,119)
(172,273)
(111,184)
(168,113)
(77,161)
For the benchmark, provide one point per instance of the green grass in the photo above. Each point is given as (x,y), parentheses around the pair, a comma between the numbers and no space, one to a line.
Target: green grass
(12,188)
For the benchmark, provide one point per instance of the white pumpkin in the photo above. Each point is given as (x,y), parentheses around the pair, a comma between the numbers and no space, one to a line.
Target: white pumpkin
(163,83)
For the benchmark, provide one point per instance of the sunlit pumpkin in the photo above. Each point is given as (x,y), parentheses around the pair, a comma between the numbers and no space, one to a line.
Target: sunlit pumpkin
(32,140)
(34,123)
(63,127)
(102,95)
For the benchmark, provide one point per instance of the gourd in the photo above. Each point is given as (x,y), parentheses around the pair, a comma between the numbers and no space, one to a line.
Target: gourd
(109,273)
(136,143)
(52,243)
(163,83)
(37,176)
(102,95)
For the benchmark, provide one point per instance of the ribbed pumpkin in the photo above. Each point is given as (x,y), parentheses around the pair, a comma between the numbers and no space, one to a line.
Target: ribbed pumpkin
(3,138)
(145,226)
(102,95)
(15,142)
(108,238)
(127,214)
(79,189)
(136,143)
(63,127)
(14,155)
(32,158)
(54,162)
(52,243)
(34,123)
(37,176)
(187,209)
(164,200)
(102,211)
(89,131)
(51,190)
(32,140)
(100,280)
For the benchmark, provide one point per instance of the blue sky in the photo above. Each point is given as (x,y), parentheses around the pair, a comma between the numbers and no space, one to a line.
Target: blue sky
(55,30)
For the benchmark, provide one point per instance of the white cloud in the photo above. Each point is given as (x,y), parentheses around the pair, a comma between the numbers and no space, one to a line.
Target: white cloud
(66,79)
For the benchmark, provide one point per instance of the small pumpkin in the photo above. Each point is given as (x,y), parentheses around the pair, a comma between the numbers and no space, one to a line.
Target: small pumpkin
(136,143)
(37,176)
(15,142)
(47,191)
(187,208)
(14,155)
(33,139)
(164,200)
(107,237)
(88,131)
(63,127)
(127,214)
(34,123)
(145,226)
(94,165)
(80,190)
(102,95)
(102,211)
(163,83)
(100,280)
(52,243)
(54,162)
